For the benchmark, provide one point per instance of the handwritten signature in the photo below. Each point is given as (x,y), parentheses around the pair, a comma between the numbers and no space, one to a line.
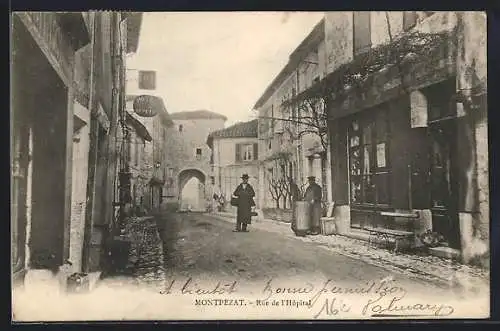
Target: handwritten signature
(190,287)
(394,308)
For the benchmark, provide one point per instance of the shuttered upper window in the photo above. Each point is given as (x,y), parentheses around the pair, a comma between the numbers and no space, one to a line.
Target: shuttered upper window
(361,32)
(246,152)
(147,80)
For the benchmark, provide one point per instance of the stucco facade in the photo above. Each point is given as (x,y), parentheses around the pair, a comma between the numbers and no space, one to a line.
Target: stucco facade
(69,146)
(227,169)
(306,155)
(148,187)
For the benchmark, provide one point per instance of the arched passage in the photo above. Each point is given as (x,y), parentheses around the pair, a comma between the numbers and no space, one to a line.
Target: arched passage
(192,188)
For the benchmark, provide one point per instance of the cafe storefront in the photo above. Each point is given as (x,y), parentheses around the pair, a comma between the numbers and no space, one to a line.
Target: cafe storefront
(395,152)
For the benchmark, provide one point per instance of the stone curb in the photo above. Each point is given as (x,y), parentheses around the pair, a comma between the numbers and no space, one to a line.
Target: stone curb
(408,269)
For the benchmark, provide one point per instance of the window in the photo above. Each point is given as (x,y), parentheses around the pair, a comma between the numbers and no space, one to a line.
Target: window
(198,153)
(147,80)
(369,162)
(440,104)
(409,19)
(361,32)
(246,152)
(180,128)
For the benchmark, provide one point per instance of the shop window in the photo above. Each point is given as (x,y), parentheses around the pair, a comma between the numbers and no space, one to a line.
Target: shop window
(369,162)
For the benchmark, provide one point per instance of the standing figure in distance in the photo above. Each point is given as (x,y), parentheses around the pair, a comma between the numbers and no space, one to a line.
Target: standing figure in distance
(244,193)
(313,196)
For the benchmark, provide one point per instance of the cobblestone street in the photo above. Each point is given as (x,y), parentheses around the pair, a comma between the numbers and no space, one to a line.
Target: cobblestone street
(203,246)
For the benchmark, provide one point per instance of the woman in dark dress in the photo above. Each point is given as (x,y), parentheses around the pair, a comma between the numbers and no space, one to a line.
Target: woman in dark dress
(245,194)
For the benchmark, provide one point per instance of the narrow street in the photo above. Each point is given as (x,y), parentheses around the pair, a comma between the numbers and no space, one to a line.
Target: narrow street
(133,151)
(199,245)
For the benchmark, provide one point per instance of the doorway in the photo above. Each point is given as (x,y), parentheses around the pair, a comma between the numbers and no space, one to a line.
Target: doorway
(443,175)
(39,118)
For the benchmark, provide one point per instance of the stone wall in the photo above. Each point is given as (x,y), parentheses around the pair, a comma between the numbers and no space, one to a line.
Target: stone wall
(180,152)
(282,215)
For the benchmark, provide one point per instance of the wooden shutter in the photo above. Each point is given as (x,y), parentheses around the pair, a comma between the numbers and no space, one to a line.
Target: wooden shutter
(255,151)
(409,19)
(237,151)
(361,32)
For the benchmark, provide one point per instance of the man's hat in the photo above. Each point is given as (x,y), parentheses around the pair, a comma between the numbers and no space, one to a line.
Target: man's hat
(311,177)
(245,176)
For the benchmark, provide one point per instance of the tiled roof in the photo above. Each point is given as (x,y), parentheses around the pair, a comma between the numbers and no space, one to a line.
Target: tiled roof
(238,130)
(197,115)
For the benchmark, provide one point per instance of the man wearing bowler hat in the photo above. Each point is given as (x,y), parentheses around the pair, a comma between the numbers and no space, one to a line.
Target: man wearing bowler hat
(313,196)
(244,194)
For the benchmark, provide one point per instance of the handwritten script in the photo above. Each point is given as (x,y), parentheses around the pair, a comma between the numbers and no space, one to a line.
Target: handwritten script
(376,298)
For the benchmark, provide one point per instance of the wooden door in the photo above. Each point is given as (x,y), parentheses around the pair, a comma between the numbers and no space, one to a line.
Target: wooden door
(443,181)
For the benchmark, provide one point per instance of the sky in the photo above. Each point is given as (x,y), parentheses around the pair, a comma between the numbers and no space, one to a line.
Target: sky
(220,62)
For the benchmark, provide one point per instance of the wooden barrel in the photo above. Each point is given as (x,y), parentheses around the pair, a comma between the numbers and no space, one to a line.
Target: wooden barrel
(302,220)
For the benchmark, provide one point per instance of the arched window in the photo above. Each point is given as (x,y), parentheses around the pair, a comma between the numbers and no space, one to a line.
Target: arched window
(180,127)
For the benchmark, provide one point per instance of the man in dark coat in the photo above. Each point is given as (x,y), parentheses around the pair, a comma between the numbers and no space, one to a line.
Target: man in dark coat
(313,196)
(245,194)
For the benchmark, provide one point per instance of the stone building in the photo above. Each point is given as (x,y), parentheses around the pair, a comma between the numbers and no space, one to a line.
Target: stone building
(289,140)
(234,152)
(145,103)
(63,121)
(188,154)
(134,163)
(407,117)
(403,95)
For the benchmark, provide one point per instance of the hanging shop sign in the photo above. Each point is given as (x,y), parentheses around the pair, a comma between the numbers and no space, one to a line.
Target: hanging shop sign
(148,105)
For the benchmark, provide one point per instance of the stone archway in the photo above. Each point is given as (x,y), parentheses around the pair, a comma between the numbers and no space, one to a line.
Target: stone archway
(184,176)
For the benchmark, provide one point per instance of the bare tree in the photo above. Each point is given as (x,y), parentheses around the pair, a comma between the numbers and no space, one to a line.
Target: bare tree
(276,190)
(279,184)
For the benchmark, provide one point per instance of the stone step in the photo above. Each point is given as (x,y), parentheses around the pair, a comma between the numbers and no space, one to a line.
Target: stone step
(445,252)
